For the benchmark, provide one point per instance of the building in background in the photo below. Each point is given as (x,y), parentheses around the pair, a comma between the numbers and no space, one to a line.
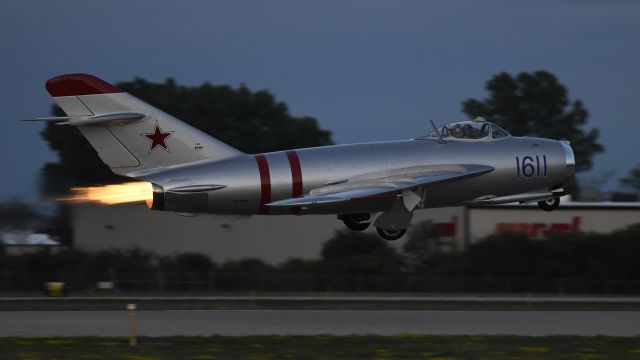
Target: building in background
(26,241)
(569,217)
(274,239)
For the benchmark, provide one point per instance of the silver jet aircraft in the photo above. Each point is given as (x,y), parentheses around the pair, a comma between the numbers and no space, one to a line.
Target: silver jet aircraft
(382,183)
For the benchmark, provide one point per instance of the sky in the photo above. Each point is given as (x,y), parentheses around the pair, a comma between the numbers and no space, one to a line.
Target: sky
(368,70)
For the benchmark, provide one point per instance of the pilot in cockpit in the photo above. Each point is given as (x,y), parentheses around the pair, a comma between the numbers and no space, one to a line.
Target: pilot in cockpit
(456,131)
(467,131)
(476,130)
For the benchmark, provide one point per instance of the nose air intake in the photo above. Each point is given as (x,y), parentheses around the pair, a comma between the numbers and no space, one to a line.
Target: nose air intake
(569,159)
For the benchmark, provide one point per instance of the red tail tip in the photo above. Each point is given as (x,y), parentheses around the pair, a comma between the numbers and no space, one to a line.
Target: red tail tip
(79,84)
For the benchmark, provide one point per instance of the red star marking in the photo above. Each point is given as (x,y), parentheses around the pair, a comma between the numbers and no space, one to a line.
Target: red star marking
(158,138)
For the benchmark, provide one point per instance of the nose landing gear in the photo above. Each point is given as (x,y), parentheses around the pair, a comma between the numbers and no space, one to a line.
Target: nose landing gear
(549,204)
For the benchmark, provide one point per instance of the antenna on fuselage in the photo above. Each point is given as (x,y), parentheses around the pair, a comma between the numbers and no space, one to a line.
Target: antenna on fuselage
(435,129)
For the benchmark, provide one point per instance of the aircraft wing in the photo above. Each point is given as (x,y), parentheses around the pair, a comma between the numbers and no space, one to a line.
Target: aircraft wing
(383,184)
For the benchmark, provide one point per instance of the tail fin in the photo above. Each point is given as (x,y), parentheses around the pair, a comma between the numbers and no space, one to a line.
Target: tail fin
(146,138)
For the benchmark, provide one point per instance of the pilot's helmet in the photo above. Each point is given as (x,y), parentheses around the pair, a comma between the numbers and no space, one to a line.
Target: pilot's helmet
(467,130)
(457,130)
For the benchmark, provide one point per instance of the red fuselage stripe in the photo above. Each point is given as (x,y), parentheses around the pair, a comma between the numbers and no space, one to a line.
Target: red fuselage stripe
(296,177)
(265,183)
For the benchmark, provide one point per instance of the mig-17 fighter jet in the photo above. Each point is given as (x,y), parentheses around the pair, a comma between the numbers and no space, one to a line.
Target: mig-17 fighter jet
(381,183)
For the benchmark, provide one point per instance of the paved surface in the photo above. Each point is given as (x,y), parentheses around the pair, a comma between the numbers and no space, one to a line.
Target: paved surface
(344,298)
(306,322)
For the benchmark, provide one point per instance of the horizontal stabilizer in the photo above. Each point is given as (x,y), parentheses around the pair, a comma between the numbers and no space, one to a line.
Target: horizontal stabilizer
(49,119)
(116,118)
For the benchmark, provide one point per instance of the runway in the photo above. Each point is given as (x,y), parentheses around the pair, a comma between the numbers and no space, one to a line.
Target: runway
(346,298)
(312,322)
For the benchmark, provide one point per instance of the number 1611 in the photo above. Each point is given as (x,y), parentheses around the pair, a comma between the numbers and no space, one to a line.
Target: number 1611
(531,166)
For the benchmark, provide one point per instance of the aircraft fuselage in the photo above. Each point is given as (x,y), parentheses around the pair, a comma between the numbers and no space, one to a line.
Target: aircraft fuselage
(521,165)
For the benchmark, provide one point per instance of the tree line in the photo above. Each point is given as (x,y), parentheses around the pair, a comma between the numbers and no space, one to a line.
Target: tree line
(510,262)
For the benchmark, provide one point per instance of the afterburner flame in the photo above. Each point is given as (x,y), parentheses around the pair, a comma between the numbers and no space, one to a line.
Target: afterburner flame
(112,194)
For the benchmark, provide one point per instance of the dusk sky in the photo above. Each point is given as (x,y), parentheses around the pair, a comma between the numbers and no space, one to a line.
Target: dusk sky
(367,70)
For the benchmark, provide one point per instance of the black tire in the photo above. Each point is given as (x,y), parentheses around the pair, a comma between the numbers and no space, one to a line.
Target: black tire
(391,235)
(349,221)
(549,204)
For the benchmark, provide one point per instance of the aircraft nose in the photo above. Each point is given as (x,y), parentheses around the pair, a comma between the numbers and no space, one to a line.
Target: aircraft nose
(569,159)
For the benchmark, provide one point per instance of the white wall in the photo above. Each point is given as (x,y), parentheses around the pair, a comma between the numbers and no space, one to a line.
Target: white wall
(271,238)
(275,239)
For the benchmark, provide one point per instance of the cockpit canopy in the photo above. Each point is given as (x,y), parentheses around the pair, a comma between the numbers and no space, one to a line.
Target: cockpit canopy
(478,130)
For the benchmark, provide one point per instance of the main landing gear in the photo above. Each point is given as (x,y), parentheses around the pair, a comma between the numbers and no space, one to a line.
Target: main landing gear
(356,222)
(391,235)
(549,204)
(360,222)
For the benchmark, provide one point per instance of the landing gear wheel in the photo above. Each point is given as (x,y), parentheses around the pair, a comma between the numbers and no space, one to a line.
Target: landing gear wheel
(549,204)
(391,235)
(355,222)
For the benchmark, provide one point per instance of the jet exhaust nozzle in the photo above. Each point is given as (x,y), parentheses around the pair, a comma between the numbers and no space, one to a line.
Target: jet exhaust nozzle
(183,199)
(157,203)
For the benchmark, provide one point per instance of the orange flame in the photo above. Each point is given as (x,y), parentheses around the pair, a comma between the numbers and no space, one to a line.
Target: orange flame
(112,194)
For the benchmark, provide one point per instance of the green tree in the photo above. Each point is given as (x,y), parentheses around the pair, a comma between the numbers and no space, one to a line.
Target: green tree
(633,179)
(423,243)
(355,253)
(509,254)
(247,266)
(300,266)
(57,226)
(194,262)
(536,104)
(129,261)
(16,215)
(251,121)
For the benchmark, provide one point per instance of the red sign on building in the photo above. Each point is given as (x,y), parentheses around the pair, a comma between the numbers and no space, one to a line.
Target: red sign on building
(540,229)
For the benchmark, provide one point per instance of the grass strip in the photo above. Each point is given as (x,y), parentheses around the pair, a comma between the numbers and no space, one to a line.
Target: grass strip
(323,347)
